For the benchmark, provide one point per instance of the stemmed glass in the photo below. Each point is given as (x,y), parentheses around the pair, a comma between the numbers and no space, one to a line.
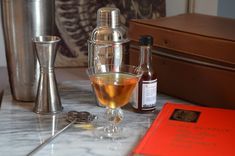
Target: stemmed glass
(113,86)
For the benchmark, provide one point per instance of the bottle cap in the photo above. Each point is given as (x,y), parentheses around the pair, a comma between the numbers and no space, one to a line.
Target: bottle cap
(146,40)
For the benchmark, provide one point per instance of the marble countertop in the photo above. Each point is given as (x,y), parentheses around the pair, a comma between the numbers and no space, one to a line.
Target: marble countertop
(21,130)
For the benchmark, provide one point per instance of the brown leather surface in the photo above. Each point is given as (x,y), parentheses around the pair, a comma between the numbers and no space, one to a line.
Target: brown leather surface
(187,38)
(198,24)
(199,83)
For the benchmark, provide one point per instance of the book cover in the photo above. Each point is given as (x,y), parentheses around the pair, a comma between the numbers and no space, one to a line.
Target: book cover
(189,131)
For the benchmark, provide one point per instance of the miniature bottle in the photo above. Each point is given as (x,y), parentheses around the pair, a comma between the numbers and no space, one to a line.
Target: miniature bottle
(145,94)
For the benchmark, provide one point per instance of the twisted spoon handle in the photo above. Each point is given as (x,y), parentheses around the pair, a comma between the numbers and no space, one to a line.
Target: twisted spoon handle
(51,138)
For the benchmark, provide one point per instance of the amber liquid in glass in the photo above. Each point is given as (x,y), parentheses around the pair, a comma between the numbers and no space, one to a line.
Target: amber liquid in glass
(114,89)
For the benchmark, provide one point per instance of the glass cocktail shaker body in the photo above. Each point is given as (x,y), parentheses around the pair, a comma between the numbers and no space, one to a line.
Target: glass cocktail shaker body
(108,42)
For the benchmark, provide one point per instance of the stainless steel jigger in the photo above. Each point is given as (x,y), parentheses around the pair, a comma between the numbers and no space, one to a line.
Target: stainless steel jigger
(47,99)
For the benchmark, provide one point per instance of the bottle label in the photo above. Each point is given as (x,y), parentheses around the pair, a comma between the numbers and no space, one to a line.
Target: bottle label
(149,93)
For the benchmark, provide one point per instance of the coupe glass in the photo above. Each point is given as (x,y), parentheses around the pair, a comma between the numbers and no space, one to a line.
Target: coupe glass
(113,86)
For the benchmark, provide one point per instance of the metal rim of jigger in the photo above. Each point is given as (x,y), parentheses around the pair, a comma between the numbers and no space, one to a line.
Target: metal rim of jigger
(50,39)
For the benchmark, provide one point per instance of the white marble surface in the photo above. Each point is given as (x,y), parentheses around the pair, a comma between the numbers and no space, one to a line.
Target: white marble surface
(21,130)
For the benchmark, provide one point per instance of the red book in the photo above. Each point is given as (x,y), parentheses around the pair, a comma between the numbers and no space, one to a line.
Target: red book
(185,130)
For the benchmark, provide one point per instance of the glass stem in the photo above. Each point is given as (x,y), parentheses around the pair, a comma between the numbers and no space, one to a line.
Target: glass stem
(114,116)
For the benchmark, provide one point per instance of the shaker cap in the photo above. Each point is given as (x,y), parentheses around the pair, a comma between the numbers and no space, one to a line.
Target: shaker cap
(146,40)
(108,16)
(109,29)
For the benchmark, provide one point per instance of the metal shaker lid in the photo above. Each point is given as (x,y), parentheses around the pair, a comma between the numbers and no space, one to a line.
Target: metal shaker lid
(108,16)
(108,29)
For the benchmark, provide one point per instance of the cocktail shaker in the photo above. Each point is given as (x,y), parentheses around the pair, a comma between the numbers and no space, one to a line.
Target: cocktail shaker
(108,42)
(22,20)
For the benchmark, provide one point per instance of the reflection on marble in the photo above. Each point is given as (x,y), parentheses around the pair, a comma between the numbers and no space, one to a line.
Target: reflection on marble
(21,130)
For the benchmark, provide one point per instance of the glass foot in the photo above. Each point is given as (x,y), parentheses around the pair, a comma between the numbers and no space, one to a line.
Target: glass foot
(115,134)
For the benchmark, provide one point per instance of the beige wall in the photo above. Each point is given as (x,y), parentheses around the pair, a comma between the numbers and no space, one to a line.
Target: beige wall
(208,7)
(175,7)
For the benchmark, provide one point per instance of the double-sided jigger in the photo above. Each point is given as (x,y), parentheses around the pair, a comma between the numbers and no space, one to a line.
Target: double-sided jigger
(47,99)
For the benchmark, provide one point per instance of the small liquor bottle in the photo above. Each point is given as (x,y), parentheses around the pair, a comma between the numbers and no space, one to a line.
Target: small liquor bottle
(145,94)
